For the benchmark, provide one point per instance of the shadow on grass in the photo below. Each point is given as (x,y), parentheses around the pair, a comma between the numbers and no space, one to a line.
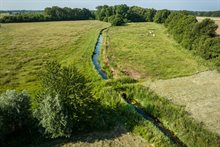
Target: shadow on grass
(93,137)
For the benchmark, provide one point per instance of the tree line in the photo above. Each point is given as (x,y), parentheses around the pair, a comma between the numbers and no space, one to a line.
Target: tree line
(205,13)
(50,14)
(120,14)
(200,37)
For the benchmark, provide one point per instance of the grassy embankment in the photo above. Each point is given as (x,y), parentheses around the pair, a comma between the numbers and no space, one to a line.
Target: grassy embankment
(132,51)
(26,47)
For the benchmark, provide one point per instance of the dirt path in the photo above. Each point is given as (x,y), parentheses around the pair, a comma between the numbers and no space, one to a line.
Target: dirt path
(200,94)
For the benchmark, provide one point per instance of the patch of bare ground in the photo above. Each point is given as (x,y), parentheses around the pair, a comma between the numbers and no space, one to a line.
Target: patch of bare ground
(116,138)
(200,93)
(132,73)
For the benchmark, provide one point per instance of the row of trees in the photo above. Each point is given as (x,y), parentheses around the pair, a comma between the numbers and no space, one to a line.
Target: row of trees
(205,13)
(50,14)
(193,35)
(124,14)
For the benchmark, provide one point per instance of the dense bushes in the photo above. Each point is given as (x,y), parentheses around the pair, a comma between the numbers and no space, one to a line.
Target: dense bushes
(116,20)
(15,114)
(161,16)
(66,105)
(205,13)
(23,18)
(194,35)
(57,13)
(123,13)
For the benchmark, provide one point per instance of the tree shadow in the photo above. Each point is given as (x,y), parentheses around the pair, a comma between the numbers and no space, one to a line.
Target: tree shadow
(88,137)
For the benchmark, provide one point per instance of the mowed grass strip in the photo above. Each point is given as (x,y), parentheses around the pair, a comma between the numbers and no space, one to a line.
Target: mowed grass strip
(132,50)
(26,47)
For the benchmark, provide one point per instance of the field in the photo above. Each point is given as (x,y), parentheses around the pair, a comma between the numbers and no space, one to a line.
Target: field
(200,94)
(26,47)
(216,19)
(146,51)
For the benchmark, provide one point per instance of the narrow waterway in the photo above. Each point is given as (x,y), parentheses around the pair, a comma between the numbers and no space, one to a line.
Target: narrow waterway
(147,116)
(95,57)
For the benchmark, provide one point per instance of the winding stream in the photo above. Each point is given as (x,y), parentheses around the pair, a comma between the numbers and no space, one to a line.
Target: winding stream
(95,57)
(154,120)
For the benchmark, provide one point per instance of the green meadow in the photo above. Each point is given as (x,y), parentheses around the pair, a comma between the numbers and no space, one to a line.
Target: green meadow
(147,51)
(26,47)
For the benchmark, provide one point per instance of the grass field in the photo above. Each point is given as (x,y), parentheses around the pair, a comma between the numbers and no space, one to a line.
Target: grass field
(132,50)
(26,47)
(200,94)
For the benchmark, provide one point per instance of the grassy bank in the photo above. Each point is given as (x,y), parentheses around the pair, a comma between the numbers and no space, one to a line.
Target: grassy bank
(146,51)
(172,116)
(26,47)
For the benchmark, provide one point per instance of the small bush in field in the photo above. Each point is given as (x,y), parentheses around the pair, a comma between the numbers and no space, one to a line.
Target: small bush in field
(66,105)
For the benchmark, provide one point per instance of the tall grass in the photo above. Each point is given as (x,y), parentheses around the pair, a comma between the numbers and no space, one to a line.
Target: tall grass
(173,117)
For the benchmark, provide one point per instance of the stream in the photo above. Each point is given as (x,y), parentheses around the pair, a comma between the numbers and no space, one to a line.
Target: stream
(154,120)
(95,57)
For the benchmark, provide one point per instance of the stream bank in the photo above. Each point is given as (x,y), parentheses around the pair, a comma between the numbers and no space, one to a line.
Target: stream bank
(154,120)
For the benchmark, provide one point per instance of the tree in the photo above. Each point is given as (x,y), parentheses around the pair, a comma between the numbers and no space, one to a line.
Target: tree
(137,14)
(206,27)
(161,16)
(210,48)
(150,15)
(116,20)
(15,113)
(66,104)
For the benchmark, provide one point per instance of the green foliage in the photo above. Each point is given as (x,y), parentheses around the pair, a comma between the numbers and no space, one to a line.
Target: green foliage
(127,14)
(193,35)
(173,117)
(116,20)
(15,113)
(57,13)
(23,18)
(210,48)
(206,27)
(205,13)
(66,105)
(161,16)
(53,13)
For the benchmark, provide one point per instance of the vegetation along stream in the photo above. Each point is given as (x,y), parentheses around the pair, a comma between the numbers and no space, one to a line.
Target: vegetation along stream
(154,120)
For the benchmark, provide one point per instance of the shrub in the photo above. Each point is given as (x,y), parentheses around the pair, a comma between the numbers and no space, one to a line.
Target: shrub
(66,104)
(116,20)
(210,48)
(15,114)
(206,27)
(161,16)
